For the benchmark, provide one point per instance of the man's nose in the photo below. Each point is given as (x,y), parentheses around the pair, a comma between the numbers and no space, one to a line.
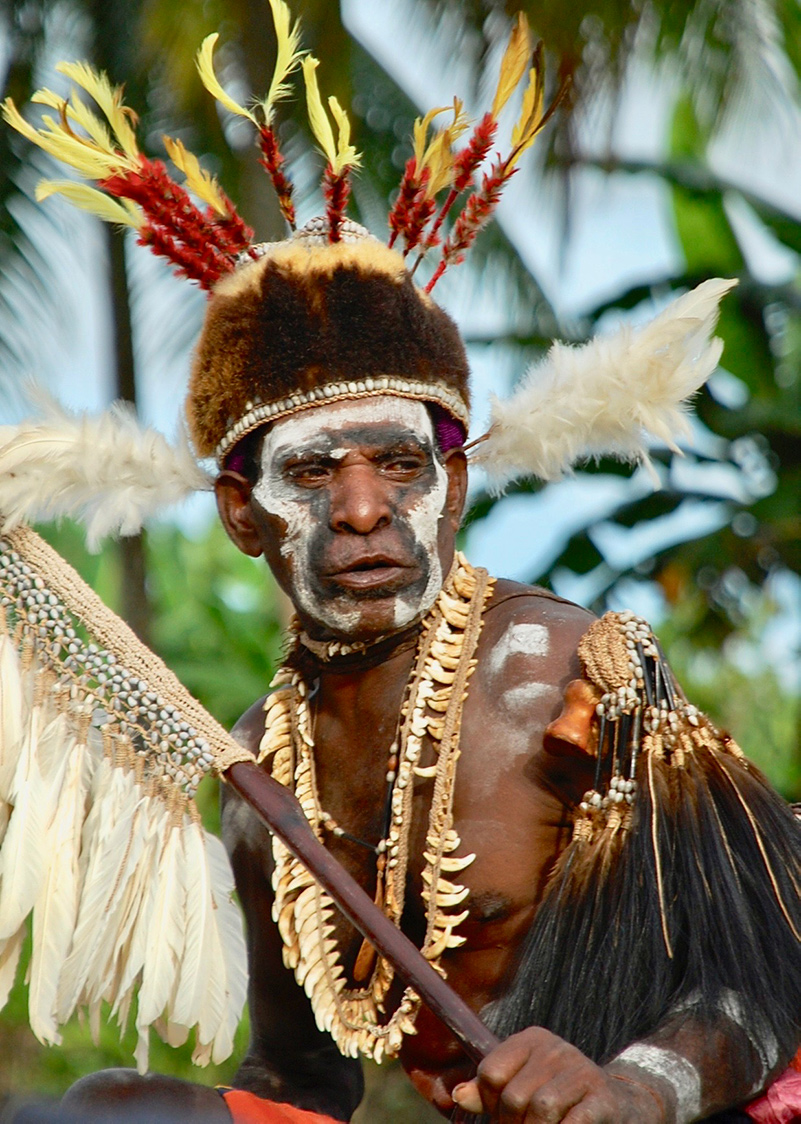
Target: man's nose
(359,501)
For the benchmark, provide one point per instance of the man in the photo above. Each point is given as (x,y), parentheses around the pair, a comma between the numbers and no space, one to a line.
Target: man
(612,870)
(425,733)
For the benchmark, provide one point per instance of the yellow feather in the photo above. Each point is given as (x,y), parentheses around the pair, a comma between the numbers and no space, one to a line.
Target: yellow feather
(205,67)
(421,127)
(513,66)
(13,117)
(90,199)
(199,181)
(109,98)
(78,112)
(77,152)
(318,118)
(439,161)
(83,155)
(347,156)
(438,156)
(530,120)
(287,59)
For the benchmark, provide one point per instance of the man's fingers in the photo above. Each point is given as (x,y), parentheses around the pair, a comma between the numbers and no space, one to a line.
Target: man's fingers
(499,1067)
(468,1097)
(530,1098)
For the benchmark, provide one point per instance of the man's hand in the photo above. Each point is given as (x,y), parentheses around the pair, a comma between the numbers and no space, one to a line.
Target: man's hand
(536,1078)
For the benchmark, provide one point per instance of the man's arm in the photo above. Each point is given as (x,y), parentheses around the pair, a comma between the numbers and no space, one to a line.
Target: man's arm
(692,1029)
(686,1071)
(288,1058)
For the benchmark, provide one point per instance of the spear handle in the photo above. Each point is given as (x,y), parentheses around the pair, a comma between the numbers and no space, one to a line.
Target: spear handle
(283,815)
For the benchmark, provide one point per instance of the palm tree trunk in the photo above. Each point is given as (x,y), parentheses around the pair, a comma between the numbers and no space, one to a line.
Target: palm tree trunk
(135,604)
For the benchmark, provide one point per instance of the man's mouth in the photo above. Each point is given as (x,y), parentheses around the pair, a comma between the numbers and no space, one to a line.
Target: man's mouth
(371,572)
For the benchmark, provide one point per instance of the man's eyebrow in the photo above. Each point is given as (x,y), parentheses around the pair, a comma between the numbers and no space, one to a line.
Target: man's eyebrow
(405,444)
(285,453)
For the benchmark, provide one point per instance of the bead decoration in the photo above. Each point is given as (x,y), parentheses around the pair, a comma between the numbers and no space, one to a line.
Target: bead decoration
(395,385)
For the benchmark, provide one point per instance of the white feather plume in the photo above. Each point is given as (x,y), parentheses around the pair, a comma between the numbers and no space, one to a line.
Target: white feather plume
(196,963)
(607,395)
(113,838)
(25,855)
(14,705)
(136,944)
(128,893)
(108,471)
(162,963)
(55,911)
(10,951)
(230,930)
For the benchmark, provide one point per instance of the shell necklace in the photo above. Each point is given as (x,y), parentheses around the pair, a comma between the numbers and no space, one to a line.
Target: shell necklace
(303,911)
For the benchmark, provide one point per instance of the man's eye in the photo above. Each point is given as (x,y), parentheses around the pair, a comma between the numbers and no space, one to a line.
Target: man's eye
(403,464)
(310,473)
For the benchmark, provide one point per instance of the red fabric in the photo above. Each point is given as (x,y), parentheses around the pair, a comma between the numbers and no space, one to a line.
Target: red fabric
(781,1103)
(247,1108)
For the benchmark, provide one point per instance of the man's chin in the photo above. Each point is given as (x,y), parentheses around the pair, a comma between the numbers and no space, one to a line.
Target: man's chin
(367,615)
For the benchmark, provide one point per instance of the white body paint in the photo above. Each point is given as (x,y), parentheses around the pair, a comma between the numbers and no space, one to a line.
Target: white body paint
(680,1072)
(731,1005)
(519,639)
(424,518)
(518,699)
(301,432)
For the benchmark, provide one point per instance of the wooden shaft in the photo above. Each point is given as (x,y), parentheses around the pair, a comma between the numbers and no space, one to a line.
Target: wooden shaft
(283,815)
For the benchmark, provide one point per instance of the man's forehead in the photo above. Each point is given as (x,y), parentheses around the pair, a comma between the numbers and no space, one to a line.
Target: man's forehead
(385,413)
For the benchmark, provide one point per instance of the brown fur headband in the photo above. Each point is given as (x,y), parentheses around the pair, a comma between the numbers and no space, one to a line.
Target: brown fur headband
(307,323)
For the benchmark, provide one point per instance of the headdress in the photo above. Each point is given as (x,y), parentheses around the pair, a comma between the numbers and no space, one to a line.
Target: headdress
(331,313)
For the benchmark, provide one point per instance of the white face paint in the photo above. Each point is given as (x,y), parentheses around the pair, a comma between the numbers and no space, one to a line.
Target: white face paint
(329,433)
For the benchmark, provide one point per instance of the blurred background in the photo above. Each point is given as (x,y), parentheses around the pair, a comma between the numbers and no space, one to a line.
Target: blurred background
(676,157)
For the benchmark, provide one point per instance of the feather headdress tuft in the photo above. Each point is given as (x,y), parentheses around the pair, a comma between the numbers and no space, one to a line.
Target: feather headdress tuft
(109,471)
(606,396)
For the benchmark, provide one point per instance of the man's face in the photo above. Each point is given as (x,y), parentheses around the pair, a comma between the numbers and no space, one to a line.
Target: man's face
(354,511)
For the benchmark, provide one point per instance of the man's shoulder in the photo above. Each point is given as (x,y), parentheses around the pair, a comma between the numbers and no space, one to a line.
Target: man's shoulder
(515,603)
(249,727)
(530,635)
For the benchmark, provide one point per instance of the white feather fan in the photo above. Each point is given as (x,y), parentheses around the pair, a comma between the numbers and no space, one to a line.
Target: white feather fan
(109,471)
(101,750)
(607,395)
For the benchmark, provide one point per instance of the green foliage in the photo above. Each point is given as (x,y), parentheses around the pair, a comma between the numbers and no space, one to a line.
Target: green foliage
(215,612)
(762,715)
(216,618)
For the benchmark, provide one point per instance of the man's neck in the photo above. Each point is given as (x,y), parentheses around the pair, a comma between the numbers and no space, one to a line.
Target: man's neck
(348,656)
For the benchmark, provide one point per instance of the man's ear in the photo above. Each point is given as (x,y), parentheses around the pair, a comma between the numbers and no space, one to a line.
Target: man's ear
(232,490)
(456,467)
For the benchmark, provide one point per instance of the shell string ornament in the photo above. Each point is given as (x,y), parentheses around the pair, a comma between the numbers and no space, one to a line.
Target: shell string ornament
(101,753)
(302,910)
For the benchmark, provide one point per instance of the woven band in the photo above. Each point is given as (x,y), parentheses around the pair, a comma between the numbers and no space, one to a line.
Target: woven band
(449,399)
